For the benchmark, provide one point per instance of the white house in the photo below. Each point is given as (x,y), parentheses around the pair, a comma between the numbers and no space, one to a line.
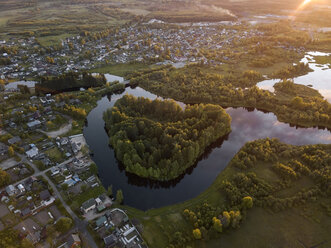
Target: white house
(32,152)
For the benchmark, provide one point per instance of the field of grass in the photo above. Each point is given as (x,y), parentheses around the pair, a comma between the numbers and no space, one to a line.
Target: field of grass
(52,40)
(323,60)
(120,69)
(51,21)
(54,154)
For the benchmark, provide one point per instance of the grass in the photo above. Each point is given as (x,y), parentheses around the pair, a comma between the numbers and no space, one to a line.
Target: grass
(120,69)
(52,40)
(54,154)
(322,60)
(91,193)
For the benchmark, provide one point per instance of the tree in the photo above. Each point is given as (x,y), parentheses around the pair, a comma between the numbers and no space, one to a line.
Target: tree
(110,190)
(63,225)
(217,225)
(94,169)
(227,218)
(4,178)
(119,196)
(197,233)
(64,187)
(247,202)
(11,151)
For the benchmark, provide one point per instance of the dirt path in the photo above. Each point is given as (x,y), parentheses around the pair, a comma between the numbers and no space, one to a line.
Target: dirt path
(62,130)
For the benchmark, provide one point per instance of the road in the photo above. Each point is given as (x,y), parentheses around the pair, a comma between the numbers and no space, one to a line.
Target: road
(80,225)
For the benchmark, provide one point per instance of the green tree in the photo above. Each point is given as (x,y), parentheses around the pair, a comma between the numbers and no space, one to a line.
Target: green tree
(63,225)
(64,187)
(119,196)
(110,190)
(94,169)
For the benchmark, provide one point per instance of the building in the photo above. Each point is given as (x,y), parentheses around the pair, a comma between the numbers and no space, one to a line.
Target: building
(45,195)
(33,124)
(73,241)
(101,221)
(88,205)
(21,188)
(32,152)
(14,140)
(10,189)
(110,241)
(3,149)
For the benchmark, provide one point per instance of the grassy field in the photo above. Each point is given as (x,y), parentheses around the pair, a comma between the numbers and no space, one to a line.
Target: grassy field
(54,154)
(120,69)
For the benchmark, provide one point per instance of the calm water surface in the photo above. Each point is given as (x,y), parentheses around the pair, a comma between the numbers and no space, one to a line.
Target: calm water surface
(145,194)
(319,78)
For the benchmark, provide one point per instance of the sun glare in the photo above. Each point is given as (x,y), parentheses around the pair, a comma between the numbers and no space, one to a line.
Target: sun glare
(300,7)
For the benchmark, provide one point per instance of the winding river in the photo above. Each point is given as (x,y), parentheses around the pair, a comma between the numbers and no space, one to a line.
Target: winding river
(247,125)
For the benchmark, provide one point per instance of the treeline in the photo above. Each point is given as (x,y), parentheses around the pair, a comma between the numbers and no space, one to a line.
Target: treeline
(157,139)
(69,81)
(289,163)
(192,85)
(292,71)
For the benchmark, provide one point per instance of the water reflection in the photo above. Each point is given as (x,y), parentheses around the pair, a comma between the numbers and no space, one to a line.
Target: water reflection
(319,78)
(247,125)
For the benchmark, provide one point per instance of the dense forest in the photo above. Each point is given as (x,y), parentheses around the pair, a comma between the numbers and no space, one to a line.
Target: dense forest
(69,81)
(300,105)
(157,139)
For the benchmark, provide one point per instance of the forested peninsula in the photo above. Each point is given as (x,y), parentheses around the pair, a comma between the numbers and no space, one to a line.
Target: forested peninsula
(158,139)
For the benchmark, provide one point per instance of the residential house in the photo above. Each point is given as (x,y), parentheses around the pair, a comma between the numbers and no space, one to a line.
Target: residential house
(73,241)
(11,190)
(3,149)
(110,241)
(88,205)
(32,152)
(33,124)
(100,222)
(45,195)
(26,212)
(21,188)
(14,140)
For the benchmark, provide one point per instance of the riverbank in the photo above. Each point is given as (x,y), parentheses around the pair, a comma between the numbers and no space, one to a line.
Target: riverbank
(161,224)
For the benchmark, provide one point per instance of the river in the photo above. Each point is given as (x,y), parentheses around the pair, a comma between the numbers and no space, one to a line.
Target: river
(145,194)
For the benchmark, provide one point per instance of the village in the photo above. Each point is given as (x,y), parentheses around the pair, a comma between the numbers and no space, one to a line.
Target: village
(152,42)
(50,191)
